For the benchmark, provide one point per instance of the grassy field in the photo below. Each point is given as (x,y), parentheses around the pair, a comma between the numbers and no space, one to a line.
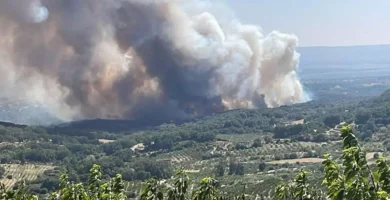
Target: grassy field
(22,172)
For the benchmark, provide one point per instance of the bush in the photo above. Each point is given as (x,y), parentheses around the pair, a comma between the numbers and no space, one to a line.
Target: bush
(320,138)
(240,146)
(9,176)
(131,195)
(293,156)
(362,116)
(285,177)
(43,191)
(267,139)
(386,142)
(262,166)
(257,143)
(35,188)
(2,171)
(240,170)
(220,169)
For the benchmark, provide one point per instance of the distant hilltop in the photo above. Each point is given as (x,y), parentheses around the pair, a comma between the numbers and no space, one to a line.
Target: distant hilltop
(374,54)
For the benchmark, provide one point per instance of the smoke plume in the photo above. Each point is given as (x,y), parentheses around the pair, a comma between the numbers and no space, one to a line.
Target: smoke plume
(163,59)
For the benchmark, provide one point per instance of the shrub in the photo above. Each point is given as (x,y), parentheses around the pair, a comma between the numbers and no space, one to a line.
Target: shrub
(43,191)
(2,171)
(262,166)
(257,143)
(278,157)
(293,156)
(240,146)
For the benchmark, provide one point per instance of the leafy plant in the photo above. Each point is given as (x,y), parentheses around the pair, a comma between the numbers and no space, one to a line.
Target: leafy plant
(353,179)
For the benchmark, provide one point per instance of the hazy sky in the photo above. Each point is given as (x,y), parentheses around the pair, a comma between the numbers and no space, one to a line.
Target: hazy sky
(320,22)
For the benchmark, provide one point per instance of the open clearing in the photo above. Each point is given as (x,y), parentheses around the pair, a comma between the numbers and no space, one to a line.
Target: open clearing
(139,146)
(301,160)
(301,121)
(192,171)
(370,155)
(104,141)
(22,172)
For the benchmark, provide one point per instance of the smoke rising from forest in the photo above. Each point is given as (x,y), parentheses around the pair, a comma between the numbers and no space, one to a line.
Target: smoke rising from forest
(164,59)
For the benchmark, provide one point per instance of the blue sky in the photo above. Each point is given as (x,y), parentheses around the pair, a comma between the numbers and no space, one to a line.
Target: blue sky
(320,22)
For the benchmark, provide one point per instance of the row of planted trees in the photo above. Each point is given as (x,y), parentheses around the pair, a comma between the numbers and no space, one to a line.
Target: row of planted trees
(352,179)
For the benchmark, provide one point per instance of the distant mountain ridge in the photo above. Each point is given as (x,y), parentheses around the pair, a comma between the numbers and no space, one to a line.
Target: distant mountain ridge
(22,111)
(113,125)
(373,54)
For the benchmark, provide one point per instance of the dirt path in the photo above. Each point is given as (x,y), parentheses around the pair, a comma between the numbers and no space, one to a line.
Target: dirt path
(301,160)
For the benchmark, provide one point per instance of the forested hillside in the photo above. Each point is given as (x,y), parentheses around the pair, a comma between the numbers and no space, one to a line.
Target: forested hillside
(252,148)
(353,179)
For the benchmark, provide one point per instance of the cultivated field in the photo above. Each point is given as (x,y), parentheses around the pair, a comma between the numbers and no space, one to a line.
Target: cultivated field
(18,172)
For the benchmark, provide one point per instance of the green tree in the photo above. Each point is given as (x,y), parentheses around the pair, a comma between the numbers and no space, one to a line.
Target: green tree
(257,143)
(21,193)
(207,190)
(299,188)
(362,116)
(152,191)
(267,139)
(96,189)
(2,172)
(220,169)
(232,167)
(353,179)
(179,191)
(332,120)
(240,169)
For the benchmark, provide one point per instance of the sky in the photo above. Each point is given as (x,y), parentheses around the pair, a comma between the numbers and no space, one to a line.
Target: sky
(320,22)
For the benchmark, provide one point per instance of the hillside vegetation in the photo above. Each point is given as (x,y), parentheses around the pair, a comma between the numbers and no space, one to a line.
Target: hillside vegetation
(353,179)
(253,148)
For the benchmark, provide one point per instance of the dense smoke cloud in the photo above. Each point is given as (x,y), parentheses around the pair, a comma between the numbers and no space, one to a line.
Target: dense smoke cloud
(141,58)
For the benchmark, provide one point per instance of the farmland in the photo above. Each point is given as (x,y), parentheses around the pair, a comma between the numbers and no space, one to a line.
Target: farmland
(18,172)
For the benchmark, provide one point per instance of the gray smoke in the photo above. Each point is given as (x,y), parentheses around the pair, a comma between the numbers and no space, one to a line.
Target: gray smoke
(165,59)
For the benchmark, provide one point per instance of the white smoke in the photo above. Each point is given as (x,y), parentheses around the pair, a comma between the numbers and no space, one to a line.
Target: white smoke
(245,62)
(38,13)
(137,58)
